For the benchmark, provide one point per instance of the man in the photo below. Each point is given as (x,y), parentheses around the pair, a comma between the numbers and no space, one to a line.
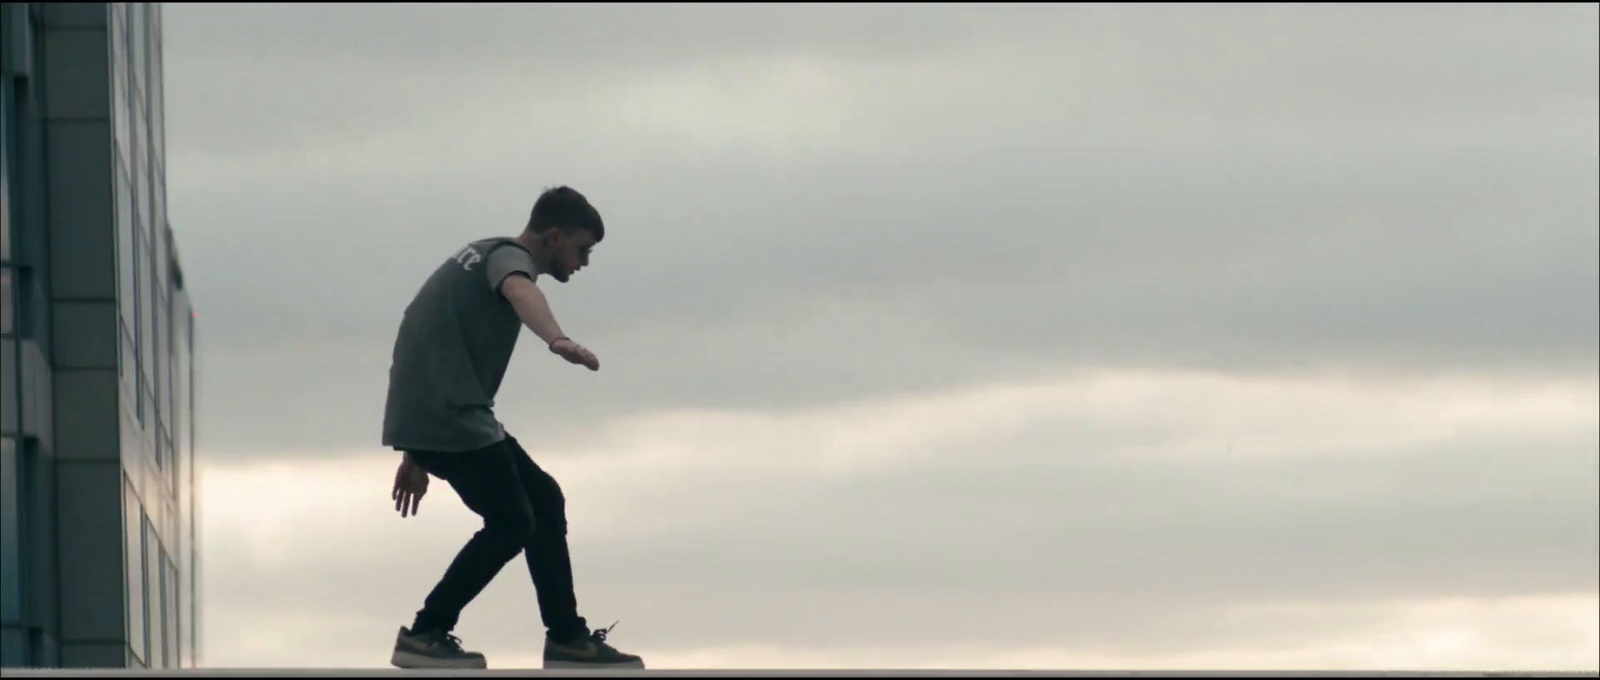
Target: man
(454,343)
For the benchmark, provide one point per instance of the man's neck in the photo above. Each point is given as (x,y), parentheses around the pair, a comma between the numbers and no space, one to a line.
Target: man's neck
(535,246)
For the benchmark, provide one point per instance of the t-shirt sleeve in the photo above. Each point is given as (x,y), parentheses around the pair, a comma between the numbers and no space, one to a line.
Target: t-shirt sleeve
(507,261)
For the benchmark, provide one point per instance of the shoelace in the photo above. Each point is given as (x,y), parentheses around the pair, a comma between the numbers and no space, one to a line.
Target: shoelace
(599,636)
(450,642)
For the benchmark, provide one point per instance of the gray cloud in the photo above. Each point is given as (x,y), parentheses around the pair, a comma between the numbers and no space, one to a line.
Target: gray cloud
(1037,541)
(818,213)
(810,204)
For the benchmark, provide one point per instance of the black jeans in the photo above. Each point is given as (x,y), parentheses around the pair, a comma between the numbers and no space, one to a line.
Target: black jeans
(523,511)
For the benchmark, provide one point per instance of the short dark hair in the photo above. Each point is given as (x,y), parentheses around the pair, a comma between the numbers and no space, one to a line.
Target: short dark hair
(565,209)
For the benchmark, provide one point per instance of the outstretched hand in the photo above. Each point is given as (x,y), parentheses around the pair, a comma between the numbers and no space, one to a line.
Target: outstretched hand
(410,485)
(575,353)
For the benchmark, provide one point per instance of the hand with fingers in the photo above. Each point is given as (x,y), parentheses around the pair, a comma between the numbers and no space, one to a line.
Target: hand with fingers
(410,485)
(575,353)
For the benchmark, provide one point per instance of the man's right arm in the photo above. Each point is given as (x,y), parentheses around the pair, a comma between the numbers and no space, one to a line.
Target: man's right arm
(534,311)
(531,306)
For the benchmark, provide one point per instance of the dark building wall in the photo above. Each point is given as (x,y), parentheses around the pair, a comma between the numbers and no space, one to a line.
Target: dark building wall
(98,550)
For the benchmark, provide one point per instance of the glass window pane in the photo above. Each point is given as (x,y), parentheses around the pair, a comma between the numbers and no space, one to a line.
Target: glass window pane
(147,410)
(149,46)
(158,213)
(5,180)
(174,463)
(114,25)
(137,37)
(126,270)
(119,79)
(180,604)
(193,612)
(146,338)
(164,374)
(173,418)
(10,412)
(184,470)
(176,394)
(133,514)
(186,382)
(141,172)
(14,648)
(158,623)
(8,301)
(154,91)
(11,494)
(121,120)
(127,360)
(119,18)
(171,608)
(158,110)
(158,358)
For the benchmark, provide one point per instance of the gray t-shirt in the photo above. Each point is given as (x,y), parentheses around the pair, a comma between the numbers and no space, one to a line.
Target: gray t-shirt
(454,343)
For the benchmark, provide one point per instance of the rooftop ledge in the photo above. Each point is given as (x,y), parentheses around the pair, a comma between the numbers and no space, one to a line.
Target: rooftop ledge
(525,673)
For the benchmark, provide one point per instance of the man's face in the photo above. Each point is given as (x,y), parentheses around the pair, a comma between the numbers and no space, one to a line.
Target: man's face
(569,252)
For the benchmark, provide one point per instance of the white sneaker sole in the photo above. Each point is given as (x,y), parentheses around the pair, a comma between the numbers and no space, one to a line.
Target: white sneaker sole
(592,666)
(404,659)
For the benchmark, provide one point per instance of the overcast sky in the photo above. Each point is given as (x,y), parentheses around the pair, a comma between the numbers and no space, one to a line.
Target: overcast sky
(1038,336)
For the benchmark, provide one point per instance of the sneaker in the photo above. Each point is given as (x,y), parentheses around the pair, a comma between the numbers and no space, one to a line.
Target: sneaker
(588,652)
(433,649)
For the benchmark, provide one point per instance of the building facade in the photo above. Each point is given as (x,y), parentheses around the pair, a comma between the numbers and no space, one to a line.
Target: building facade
(98,541)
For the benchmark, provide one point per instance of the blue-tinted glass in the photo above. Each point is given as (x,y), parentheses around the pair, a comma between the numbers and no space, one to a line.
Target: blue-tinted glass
(194,611)
(133,514)
(14,648)
(119,18)
(141,319)
(158,358)
(174,466)
(147,409)
(153,85)
(5,174)
(184,436)
(158,212)
(11,495)
(122,123)
(5,218)
(141,171)
(10,397)
(138,36)
(8,303)
(174,418)
(156,598)
(127,357)
(8,300)
(147,338)
(158,110)
(174,627)
(114,27)
(127,292)
(161,328)
(118,51)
